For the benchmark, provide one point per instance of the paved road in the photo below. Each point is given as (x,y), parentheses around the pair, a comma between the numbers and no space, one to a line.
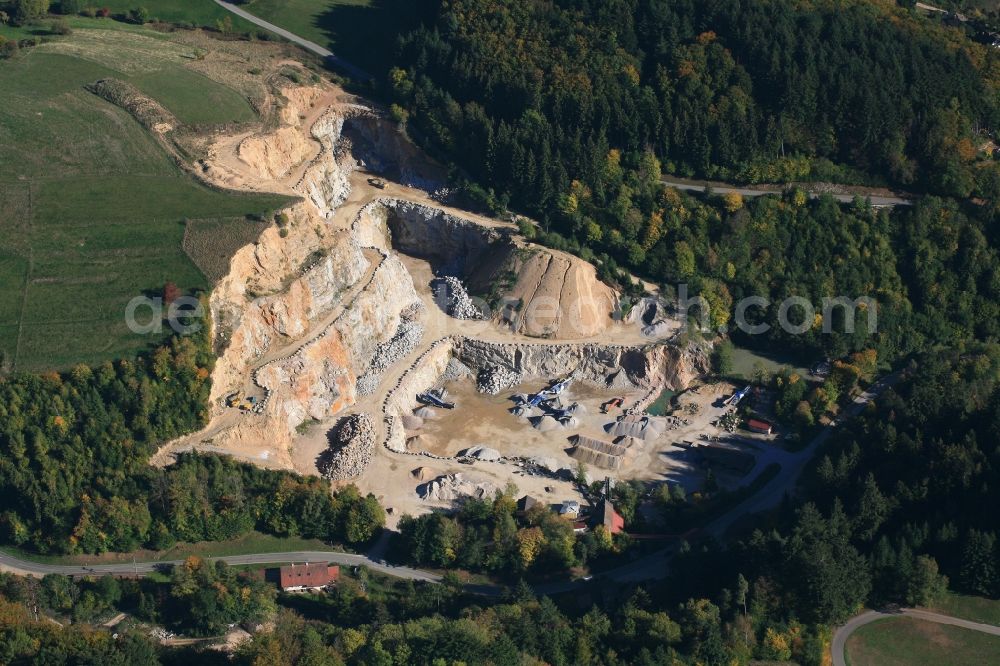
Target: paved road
(772,494)
(321,51)
(722,188)
(844,632)
(10,563)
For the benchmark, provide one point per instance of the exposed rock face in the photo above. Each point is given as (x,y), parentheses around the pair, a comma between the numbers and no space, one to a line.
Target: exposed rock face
(321,378)
(316,382)
(383,149)
(423,374)
(407,337)
(280,288)
(274,155)
(266,322)
(542,293)
(326,183)
(625,367)
(327,314)
(273,265)
(455,245)
(352,445)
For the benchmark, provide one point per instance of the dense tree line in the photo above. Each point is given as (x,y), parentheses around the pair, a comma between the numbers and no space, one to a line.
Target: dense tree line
(898,507)
(74,472)
(199,599)
(932,270)
(362,621)
(628,627)
(919,474)
(491,535)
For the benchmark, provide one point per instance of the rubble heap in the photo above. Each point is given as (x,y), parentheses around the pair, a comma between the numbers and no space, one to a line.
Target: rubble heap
(352,445)
(493,380)
(454,298)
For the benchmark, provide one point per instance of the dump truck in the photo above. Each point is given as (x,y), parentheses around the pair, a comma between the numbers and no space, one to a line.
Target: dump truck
(377,182)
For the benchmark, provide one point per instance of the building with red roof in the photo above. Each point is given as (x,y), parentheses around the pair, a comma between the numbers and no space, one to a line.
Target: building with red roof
(609,518)
(295,578)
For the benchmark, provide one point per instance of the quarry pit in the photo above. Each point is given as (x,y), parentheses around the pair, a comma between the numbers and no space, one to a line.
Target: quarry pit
(371,293)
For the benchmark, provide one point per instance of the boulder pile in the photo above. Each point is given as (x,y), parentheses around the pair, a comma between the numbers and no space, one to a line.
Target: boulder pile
(493,380)
(352,445)
(454,299)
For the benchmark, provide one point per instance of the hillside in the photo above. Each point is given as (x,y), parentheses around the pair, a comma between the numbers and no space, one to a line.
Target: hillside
(92,205)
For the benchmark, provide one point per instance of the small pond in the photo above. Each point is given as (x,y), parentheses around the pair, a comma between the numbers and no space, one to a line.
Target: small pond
(664,403)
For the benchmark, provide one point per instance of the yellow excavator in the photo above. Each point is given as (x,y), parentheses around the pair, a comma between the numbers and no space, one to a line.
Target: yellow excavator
(240,401)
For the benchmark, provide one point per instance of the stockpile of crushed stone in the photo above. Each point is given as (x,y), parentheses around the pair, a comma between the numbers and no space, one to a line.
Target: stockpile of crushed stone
(352,445)
(454,298)
(494,380)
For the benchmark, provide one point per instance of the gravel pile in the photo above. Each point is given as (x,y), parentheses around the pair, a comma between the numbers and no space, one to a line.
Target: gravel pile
(406,339)
(493,380)
(451,487)
(352,445)
(451,294)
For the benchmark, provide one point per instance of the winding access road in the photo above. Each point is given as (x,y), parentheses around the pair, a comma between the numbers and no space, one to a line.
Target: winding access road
(312,47)
(843,633)
(877,200)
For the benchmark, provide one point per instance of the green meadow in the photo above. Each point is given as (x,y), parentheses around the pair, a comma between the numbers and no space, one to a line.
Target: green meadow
(92,208)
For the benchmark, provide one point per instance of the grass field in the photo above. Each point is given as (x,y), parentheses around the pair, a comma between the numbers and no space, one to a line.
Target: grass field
(744,361)
(977,609)
(199,12)
(211,243)
(905,641)
(363,32)
(92,208)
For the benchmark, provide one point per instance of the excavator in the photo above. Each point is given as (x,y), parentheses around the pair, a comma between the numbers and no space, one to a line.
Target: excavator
(239,401)
(614,403)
